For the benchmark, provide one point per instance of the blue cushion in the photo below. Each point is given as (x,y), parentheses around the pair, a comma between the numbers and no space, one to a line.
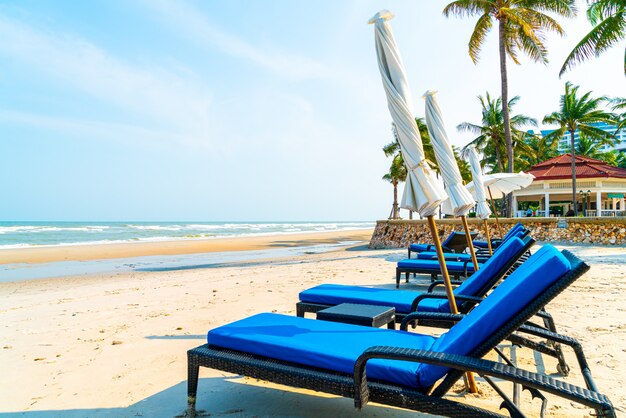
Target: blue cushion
(431,255)
(477,281)
(523,286)
(453,266)
(516,231)
(327,345)
(334,294)
(474,285)
(402,300)
(419,247)
(452,234)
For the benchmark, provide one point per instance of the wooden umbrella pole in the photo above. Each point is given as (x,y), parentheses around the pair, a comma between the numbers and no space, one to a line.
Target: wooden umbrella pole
(487,236)
(495,213)
(448,286)
(470,244)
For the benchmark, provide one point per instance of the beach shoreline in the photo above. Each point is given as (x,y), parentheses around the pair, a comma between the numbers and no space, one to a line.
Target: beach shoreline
(87,252)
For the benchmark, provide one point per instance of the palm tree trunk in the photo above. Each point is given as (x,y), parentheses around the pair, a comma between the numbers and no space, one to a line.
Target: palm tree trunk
(395,200)
(505,109)
(573,150)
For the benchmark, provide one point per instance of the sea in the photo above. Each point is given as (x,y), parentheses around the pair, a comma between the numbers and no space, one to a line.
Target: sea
(40,233)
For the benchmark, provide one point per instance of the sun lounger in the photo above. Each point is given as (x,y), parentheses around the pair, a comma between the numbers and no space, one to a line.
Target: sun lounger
(456,267)
(481,255)
(496,242)
(406,370)
(407,301)
(455,243)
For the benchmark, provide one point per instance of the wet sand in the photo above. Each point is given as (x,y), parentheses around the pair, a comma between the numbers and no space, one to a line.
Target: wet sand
(184,246)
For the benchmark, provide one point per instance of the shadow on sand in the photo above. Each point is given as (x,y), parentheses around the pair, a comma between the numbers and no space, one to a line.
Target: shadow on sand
(229,397)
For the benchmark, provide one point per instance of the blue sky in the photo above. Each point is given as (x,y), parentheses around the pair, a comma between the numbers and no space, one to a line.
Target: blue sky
(233,110)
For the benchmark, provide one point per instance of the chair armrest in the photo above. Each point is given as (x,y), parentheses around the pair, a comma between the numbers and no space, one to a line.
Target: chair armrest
(441,283)
(431,316)
(442,295)
(586,397)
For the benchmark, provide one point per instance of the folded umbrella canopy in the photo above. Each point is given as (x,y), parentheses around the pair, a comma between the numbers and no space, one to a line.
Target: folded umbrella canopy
(461,200)
(422,192)
(482,208)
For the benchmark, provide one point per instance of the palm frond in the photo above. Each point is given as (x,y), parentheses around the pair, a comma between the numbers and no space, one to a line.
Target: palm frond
(483,26)
(604,35)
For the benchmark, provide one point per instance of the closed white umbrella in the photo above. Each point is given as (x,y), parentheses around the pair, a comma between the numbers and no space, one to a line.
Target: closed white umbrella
(461,200)
(482,208)
(422,193)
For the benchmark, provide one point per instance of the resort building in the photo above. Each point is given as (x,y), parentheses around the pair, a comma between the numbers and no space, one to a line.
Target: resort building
(600,189)
(564,143)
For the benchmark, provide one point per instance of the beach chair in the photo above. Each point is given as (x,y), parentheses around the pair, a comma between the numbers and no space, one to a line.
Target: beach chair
(468,292)
(496,242)
(459,267)
(481,255)
(455,243)
(398,368)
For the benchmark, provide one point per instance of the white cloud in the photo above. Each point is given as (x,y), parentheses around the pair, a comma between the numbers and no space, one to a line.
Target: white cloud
(158,98)
(191,22)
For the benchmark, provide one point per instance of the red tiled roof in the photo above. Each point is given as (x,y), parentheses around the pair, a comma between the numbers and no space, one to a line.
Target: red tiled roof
(561,168)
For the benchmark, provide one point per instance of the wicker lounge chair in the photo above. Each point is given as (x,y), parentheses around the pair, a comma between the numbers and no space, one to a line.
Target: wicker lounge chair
(455,243)
(469,292)
(332,357)
(496,242)
(478,245)
(481,255)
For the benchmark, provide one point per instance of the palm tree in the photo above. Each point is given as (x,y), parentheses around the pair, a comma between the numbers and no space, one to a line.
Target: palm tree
(579,113)
(608,18)
(521,27)
(619,105)
(397,170)
(491,131)
(542,149)
(588,148)
(396,174)
(614,158)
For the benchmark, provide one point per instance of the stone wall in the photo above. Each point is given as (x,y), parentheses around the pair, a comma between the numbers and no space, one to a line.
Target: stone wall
(606,230)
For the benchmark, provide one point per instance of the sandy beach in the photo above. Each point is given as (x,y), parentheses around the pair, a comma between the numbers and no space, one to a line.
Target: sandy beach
(114,345)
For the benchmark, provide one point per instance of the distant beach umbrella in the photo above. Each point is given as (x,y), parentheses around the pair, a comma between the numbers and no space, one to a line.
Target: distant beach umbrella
(482,208)
(501,184)
(422,192)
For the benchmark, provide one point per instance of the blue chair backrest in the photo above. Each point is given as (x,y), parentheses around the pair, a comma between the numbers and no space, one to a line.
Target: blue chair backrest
(513,231)
(515,293)
(447,241)
(474,284)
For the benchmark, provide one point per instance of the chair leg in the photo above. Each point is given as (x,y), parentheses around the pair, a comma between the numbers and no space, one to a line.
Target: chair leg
(562,367)
(398,274)
(406,278)
(299,310)
(193,370)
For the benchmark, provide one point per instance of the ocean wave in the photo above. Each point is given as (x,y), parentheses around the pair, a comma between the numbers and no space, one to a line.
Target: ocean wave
(38,229)
(17,236)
